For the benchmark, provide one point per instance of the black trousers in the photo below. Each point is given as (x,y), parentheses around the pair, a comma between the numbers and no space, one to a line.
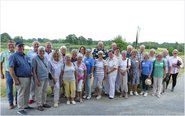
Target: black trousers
(174,80)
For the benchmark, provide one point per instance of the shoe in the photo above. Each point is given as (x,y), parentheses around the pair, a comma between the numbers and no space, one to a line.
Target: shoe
(121,95)
(84,96)
(142,92)
(126,96)
(172,90)
(81,101)
(135,93)
(30,108)
(68,102)
(111,97)
(11,107)
(31,101)
(46,106)
(88,97)
(22,112)
(40,108)
(55,105)
(73,102)
(145,94)
(131,93)
(153,94)
(158,96)
(118,91)
(98,97)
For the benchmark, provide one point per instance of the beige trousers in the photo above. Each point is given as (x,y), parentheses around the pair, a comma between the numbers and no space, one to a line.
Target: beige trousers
(41,92)
(23,92)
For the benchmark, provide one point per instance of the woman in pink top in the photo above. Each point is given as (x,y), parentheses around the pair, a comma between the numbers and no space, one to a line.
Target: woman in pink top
(81,74)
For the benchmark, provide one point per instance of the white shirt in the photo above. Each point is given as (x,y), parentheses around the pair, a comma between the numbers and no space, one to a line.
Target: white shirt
(173,60)
(112,63)
(123,63)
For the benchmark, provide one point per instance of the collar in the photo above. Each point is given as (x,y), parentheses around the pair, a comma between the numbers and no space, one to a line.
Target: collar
(19,53)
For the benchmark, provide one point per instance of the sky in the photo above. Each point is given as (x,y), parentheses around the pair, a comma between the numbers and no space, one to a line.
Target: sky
(159,21)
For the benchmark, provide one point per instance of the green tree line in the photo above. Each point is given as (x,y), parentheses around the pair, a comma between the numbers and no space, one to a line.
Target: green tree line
(72,39)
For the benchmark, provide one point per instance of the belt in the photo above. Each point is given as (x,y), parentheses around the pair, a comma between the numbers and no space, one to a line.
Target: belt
(23,76)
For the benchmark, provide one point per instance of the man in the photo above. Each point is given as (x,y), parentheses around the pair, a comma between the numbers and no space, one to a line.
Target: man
(114,46)
(129,50)
(100,48)
(40,74)
(20,70)
(9,81)
(141,53)
(47,54)
(31,54)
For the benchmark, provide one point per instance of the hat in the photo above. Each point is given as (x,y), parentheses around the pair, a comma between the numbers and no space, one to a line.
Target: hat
(100,52)
(148,82)
(19,43)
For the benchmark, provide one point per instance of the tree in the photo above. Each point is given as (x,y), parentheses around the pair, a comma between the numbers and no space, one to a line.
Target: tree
(121,43)
(18,39)
(5,37)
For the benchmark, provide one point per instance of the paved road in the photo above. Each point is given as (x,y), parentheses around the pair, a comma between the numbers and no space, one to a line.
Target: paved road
(170,103)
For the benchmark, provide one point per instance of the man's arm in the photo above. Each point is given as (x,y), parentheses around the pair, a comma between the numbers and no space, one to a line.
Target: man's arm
(12,73)
(1,67)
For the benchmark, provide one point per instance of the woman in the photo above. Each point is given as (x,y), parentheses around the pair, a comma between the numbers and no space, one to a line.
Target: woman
(89,62)
(112,66)
(69,79)
(124,66)
(152,55)
(81,76)
(159,71)
(118,56)
(146,70)
(55,67)
(63,50)
(99,74)
(168,69)
(176,63)
(82,50)
(135,72)
(74,53)
(40,74)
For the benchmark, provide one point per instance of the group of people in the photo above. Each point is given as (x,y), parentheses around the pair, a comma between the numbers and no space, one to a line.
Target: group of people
(70,75)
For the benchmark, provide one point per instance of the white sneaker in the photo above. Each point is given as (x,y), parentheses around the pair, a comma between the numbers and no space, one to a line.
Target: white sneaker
(153,94)
(158,96)
(131,93)
(81,101)
(84,96)
(55,105)
(142,92)
(88,97)
(73,102)
(98,97)
(135,93)
(68,102)
(145,94)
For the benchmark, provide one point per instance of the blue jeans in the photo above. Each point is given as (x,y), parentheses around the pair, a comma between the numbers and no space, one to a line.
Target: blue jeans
(144,86)
(88,85)
(9,88)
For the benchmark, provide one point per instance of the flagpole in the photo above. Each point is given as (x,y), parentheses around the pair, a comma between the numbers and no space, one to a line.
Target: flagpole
(137,36)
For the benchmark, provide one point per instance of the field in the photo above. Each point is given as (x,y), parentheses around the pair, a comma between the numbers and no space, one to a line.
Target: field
(3,47)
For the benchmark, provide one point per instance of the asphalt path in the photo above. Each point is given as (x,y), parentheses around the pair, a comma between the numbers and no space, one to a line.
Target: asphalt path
(170,103)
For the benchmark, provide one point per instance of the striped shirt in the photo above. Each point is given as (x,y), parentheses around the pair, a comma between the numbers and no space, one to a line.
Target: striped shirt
(99,68)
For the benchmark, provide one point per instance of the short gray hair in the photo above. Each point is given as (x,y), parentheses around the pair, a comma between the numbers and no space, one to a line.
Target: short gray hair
(129,46)
(142,46)
(35,42)
(79,56)
(74,50)
(124,51)
(41,48)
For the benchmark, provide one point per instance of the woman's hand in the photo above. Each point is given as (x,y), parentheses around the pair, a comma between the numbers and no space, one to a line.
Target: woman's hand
(37,82)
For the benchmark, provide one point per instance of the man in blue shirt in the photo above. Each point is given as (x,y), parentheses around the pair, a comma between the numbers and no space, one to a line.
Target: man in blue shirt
(20,70)
(89,62)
